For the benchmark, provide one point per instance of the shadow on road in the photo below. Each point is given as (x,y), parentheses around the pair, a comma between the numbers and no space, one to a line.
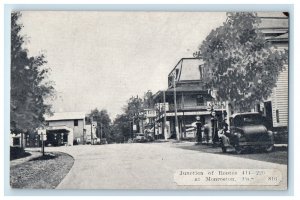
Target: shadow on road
(279,155)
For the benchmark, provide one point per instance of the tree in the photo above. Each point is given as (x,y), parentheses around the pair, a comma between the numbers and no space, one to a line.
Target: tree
(29,88)
(148,100)
(239,64)
(134,107)
(121,128)
(103,122)
(122,125)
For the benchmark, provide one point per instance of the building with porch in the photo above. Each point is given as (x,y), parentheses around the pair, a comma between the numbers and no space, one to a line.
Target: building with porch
(185,99)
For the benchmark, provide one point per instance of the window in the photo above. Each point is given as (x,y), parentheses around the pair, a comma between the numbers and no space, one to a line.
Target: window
(200,100)
(251,119)
(201,71)
(76,122)
(277,116)
(177,73)
(16,141)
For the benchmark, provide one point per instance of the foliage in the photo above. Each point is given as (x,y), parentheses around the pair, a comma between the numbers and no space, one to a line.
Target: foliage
(148,100)
(122,125)
(29,89)
(103,122)
(239,63)
(134,107)
(121,130)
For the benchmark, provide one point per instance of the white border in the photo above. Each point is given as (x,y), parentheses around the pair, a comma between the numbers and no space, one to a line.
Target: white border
(295,75)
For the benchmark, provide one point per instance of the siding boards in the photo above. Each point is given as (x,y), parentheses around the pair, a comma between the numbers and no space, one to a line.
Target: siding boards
(280,100)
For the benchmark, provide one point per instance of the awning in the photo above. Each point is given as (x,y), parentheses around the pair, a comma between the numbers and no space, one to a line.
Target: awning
(56,128)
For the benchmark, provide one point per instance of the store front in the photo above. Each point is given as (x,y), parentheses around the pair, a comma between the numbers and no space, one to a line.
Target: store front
(59,136)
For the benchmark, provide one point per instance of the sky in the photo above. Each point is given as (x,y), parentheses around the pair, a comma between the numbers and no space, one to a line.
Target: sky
(101,59)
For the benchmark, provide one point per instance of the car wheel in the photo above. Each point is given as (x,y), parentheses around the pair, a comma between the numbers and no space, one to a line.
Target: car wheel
(269,148)
(238,150)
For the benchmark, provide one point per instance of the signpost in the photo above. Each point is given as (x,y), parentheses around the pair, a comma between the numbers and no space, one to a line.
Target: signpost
(43,137)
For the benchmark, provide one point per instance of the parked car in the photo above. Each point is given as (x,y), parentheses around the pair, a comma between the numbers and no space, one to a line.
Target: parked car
(140,137)
(247,130)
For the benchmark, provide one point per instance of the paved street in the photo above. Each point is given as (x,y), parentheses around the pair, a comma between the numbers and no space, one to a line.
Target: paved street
(144,166)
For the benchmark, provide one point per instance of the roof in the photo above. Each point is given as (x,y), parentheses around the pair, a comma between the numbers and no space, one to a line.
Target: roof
(65,116)
(273,22)
(273,14)
(188,69)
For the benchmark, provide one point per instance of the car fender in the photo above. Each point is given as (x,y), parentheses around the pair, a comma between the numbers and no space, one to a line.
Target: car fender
(271,135)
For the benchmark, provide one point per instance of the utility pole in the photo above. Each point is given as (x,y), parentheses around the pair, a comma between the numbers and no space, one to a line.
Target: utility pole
(43,144)
(165,115)
(43,136)
(175,109)
(101,131)
(22,140)
(92,130)
(142,122)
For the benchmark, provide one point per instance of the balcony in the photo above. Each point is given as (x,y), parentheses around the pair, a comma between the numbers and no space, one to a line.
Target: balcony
(188,107)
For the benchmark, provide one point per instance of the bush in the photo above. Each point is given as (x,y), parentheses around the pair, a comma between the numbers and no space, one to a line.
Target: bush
(17,152)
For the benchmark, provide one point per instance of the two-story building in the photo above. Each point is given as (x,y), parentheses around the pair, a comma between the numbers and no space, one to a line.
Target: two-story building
(66,128)
(185,99)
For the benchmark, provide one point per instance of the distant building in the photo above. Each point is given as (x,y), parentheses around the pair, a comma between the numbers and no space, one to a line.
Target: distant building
(90,134)
(150,115)
(62,129)
(66,128)
(16,139)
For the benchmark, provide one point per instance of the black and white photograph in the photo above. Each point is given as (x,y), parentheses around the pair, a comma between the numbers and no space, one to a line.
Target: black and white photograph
(149,100)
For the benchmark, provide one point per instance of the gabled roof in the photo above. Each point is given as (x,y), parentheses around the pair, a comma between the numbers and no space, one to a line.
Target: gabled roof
(65,116)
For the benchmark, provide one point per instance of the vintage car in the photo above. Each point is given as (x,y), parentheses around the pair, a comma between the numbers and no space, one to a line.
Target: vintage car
(140,137)
(247,130)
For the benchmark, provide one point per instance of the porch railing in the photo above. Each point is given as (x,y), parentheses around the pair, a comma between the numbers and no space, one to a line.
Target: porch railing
(187,107)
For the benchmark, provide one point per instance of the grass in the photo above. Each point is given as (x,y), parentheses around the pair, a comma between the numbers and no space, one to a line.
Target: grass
(44,172)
